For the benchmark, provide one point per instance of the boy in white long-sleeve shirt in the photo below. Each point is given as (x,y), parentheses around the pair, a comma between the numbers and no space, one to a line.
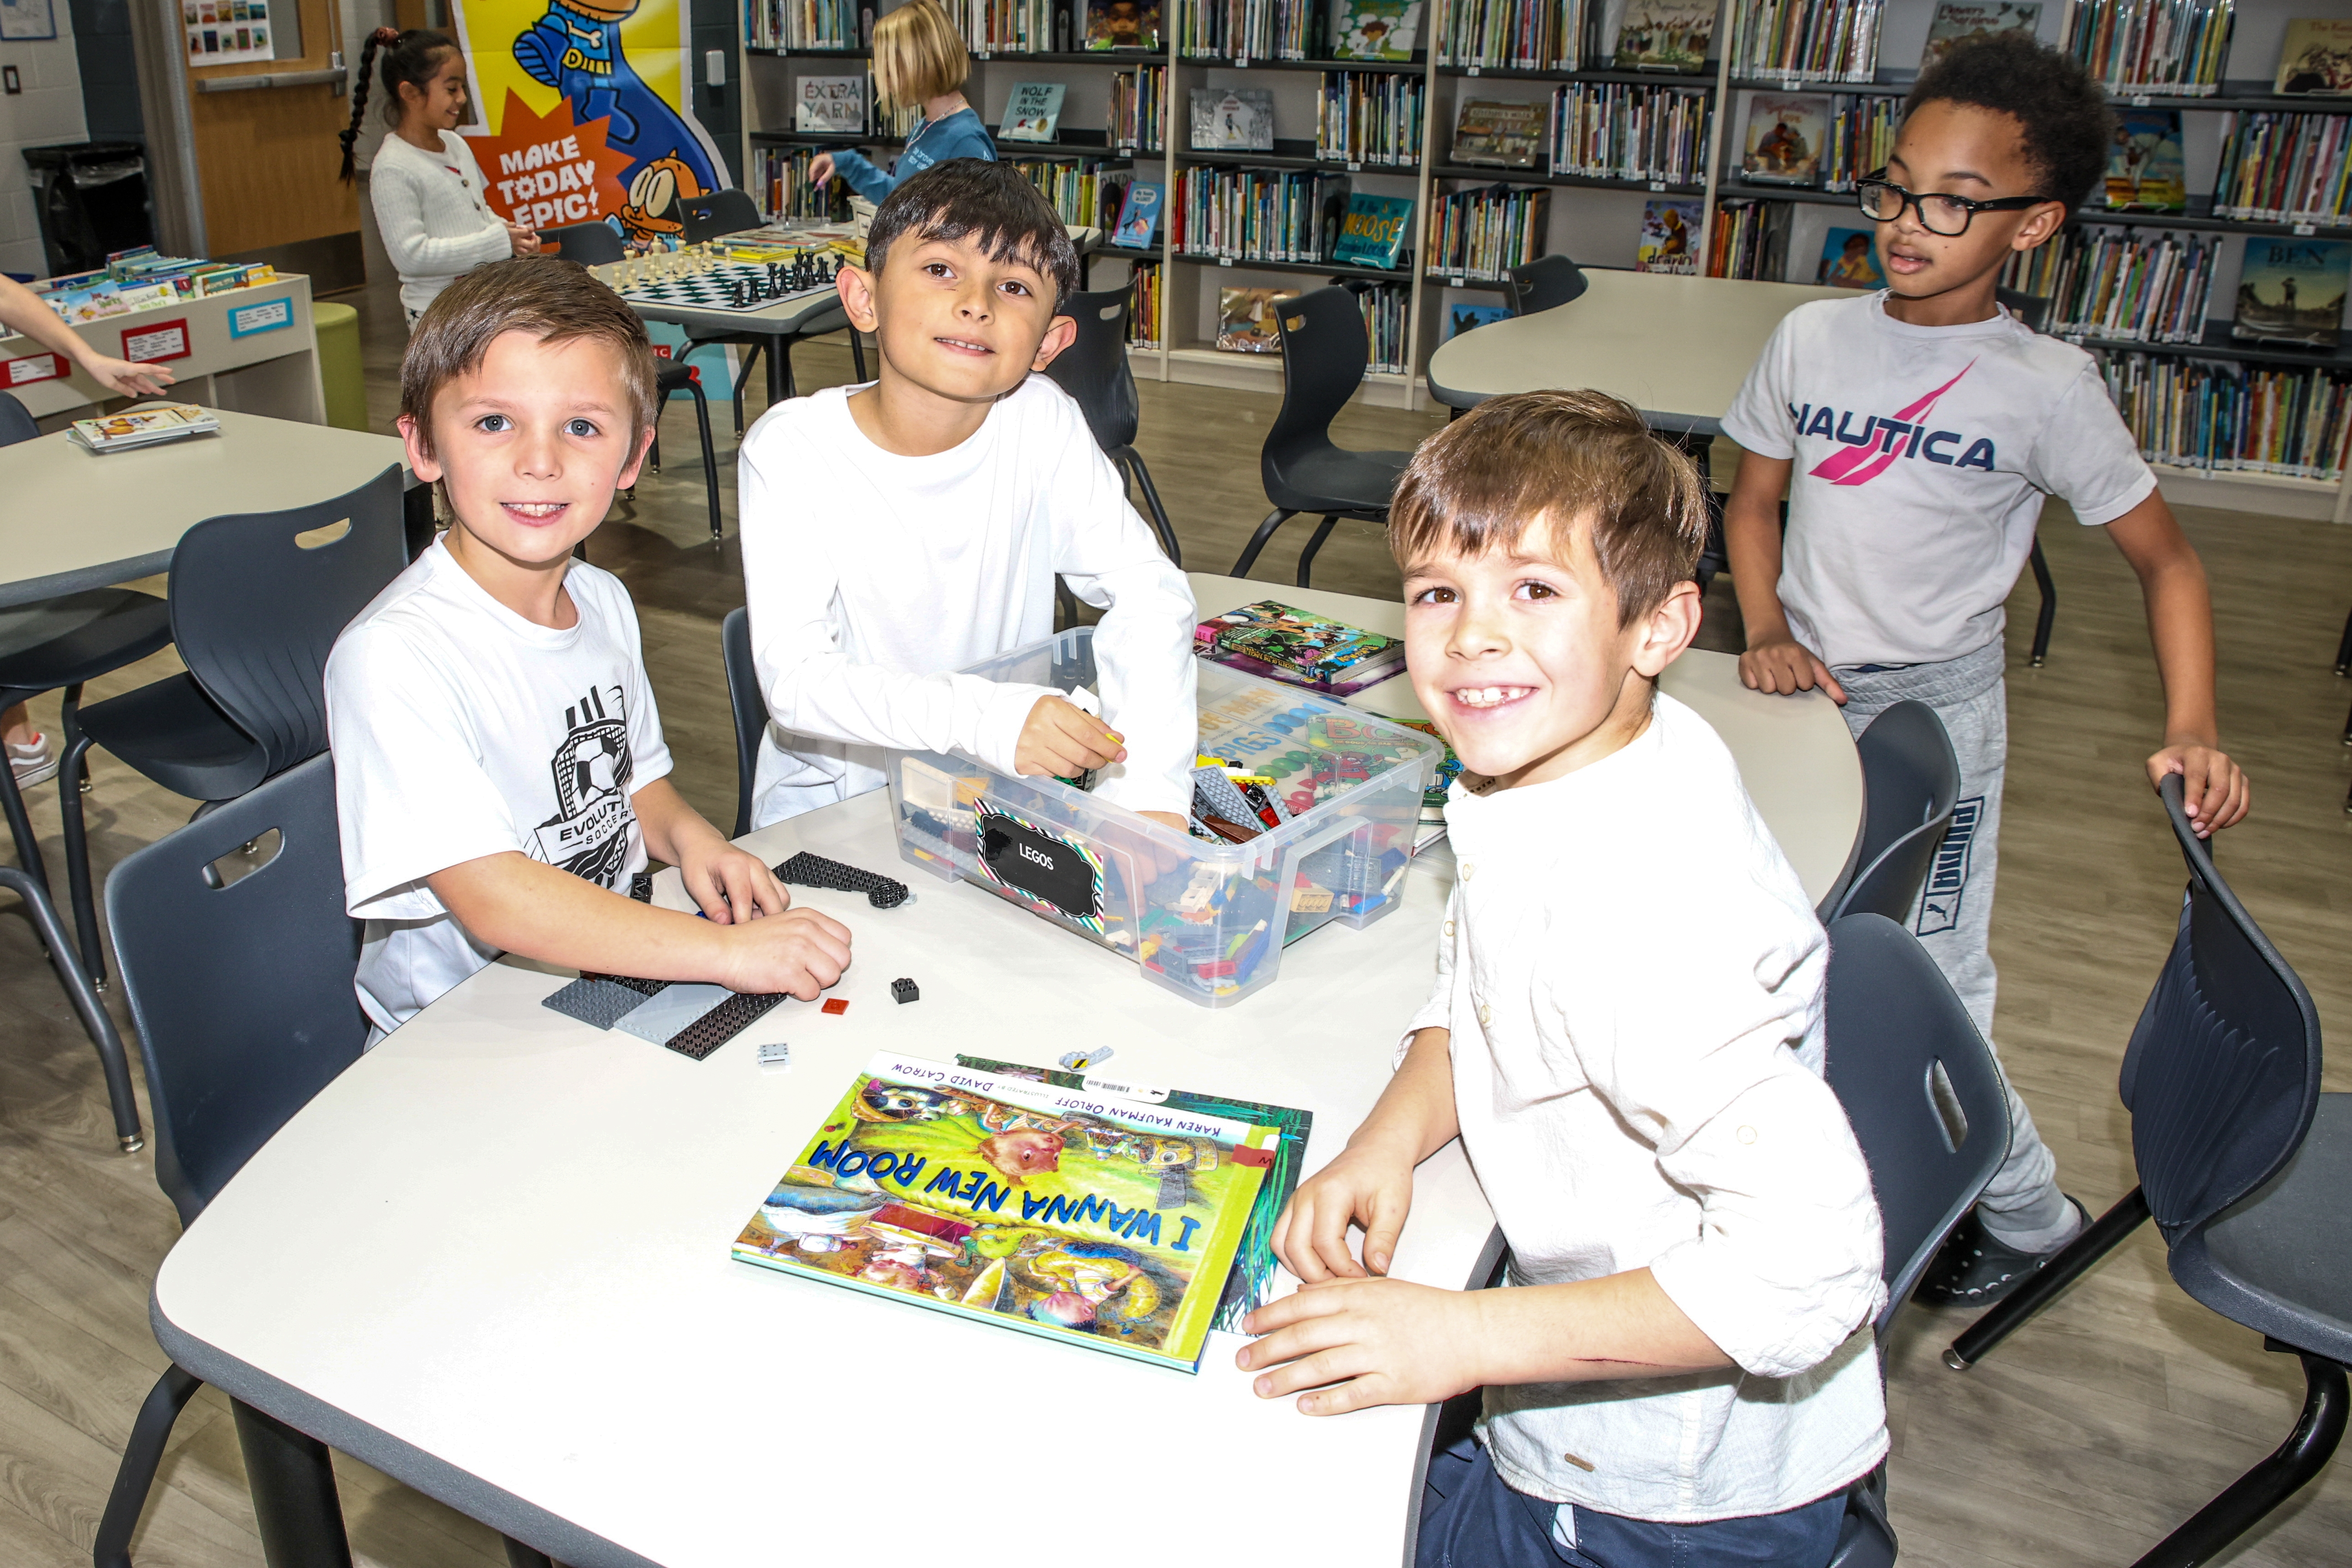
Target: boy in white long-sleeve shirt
(1626,1036)
(899,532)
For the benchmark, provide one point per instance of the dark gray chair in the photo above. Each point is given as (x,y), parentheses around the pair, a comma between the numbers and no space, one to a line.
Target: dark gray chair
(1095,370)
(1923,1094)
(716,214)
(1323,353)
(252,702)
(2244,1165)
(749,708)
(1543,283)
(1910,782)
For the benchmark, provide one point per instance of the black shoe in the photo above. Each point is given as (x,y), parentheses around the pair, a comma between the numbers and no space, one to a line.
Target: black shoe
(1975,1268)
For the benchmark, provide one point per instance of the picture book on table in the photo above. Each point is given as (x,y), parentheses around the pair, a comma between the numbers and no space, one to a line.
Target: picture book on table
(1138,218)
(2315,58)
(831,103)
(1850,259)
(1375,29)
(1461,319)
(1371,229)
(1122,24)
(1669,237)
(1784,138)
(1499,135)
(1273,638)
(1665,35)
(1955,25)
(2292,290)
(142,427)
(1232,120)
(1245,323)
(1033,112)
(2145,170)
(1082,1217)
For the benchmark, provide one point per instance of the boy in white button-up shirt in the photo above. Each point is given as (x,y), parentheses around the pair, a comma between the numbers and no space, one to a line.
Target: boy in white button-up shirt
(1626,1036)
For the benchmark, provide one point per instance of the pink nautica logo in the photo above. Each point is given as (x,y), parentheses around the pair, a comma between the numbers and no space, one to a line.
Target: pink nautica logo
(1871,454)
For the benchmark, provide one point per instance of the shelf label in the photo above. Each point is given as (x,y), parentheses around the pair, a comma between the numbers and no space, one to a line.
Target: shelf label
(2140,100)
(1456,282)
(981,54)
(1658,185)
(1355,168)
(2306,229)
(1473,70)
(35,367)
(1224,261)
(1241,62)
(267,317)
(161,341)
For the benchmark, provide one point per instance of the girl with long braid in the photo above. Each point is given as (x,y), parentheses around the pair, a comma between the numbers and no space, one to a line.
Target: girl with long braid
(426,185)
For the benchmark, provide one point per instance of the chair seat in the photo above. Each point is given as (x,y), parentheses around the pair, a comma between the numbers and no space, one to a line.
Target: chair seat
(673,375)
(171,731)
(2280,1262)
(79,637)
(1336,481)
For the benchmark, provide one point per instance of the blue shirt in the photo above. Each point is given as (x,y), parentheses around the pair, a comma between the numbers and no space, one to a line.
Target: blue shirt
(958,135)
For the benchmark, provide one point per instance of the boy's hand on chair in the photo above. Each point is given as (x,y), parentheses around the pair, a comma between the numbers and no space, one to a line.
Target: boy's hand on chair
(800,951)
(1063,740)
(1784,665)
(730,885)
(1361,1342)
(1370,1186)
(2214,791)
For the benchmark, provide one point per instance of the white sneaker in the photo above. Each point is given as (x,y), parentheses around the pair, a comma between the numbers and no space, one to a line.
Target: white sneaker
(35,762)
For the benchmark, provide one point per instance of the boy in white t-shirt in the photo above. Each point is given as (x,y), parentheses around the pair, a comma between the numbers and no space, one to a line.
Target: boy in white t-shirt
(1626,1036)
(1916,432)
(499,769)
(896,533)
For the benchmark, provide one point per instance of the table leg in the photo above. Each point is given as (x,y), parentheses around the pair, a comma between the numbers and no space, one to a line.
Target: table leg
(295,1505)
(776,371)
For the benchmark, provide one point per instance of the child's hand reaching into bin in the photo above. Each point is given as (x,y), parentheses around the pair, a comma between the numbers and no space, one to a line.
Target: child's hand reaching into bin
(1063,740)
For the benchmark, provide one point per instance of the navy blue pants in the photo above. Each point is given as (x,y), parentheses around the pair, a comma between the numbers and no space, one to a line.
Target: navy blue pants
(1470,1519)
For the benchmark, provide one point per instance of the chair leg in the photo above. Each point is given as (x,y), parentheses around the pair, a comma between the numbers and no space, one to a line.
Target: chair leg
(1258,541)
(84,997)
(2343,649)
(141,1458)
(709,458)
(85,903)
(20,828)
(1307,556)
(858,353)
(2254,1495)
(2049,603)
(1130,461)
(2040,1289)
(521,1557)
(653,452)
(743,379)
(297,1510)
(1065,607)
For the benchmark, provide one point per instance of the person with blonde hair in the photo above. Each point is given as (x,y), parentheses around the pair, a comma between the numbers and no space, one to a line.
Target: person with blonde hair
(918,59)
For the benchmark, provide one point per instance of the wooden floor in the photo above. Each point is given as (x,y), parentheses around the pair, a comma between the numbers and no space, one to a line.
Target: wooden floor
(2080,1443)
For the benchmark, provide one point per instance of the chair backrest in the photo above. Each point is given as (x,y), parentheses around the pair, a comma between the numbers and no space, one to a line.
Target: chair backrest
(241,990)
(1094,368)
(1545,281)
(2222,1073)
(16,421)
(2032,309)
(1910,781)
(259,598)
(589,244)
(1920,1087)
(719,213)
(750,706)
(1325,351)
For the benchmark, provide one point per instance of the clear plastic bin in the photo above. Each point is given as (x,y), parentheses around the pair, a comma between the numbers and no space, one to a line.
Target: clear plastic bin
(1207,920)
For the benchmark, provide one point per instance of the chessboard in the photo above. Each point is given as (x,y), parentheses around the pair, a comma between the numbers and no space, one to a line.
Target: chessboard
(735,285)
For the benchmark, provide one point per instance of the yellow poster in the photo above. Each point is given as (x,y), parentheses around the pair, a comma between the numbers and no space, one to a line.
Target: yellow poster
(589,113)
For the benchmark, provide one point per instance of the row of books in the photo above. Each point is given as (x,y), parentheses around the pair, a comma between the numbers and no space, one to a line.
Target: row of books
(1008,26)
(2206,413)
(2122,285)
(1258,215)
(1484,232)
(143,277)
(807,24)
(1619,132)
(1147,288)
(2164,46)
(2285,168)
(1520,35)
(780,176)
(1806,40)
(1089,192)
(1370,117)
(1829,139)
(1300,29)
(1386,306)
(1246,325)
(1139,109)
(1750,239)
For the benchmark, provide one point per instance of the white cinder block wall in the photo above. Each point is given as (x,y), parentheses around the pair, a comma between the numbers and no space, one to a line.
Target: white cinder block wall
(48,111)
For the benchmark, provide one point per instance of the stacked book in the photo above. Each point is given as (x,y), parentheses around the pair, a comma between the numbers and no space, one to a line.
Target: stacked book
(1143,306)
(1519,35)
(1619,132)
(2150,45)
(1484,233)
(781,176)
(1860,139)
(1277,642)
(1006,27)
(1805,40)
(2122,285)
(1246,30)
(144,427)
(1087,191)
(1751,240)
(1139,109)
(2204,413)
(1385,306)
(2285,168)
(1258,215)
(803,24)
(1370,117)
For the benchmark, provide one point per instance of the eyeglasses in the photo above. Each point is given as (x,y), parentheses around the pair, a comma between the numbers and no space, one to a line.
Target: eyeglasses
(1883,201)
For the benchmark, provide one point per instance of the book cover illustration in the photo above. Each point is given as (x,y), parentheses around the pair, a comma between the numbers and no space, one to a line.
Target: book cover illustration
(1850,259)
(831,103)
(1305,646)
(1033,112)
(1122,24)
(1784,138)
(1665,36)
(2315,58)
(142,427)
(1500,135)
(1461,319)
(1375,29)
(1245,323)
(1232,120)
(1249,1284)
(1099,1221)
(2292,290)
(1958,25)
(2146,169)
(1371,229)
(1139,219)
(1669,237)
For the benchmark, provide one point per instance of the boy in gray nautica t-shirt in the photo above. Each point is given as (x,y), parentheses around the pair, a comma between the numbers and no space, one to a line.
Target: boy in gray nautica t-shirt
(1917,433)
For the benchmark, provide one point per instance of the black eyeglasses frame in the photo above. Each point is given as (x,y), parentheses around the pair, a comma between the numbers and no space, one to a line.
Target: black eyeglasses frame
(1970,206)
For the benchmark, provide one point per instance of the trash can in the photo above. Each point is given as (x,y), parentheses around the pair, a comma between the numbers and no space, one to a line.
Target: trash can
(92,201)
(339,373)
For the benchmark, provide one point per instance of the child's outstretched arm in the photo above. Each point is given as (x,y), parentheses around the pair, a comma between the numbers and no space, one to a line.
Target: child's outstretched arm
(2180,624)
(1775,659)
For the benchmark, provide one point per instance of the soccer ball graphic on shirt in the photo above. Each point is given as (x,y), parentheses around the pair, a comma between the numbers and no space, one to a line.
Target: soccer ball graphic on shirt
(589,834)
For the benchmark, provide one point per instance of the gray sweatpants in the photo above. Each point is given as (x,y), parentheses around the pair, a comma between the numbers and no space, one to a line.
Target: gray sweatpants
(1953,916)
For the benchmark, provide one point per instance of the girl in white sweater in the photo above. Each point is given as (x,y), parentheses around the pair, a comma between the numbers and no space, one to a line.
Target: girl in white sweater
(426,187)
